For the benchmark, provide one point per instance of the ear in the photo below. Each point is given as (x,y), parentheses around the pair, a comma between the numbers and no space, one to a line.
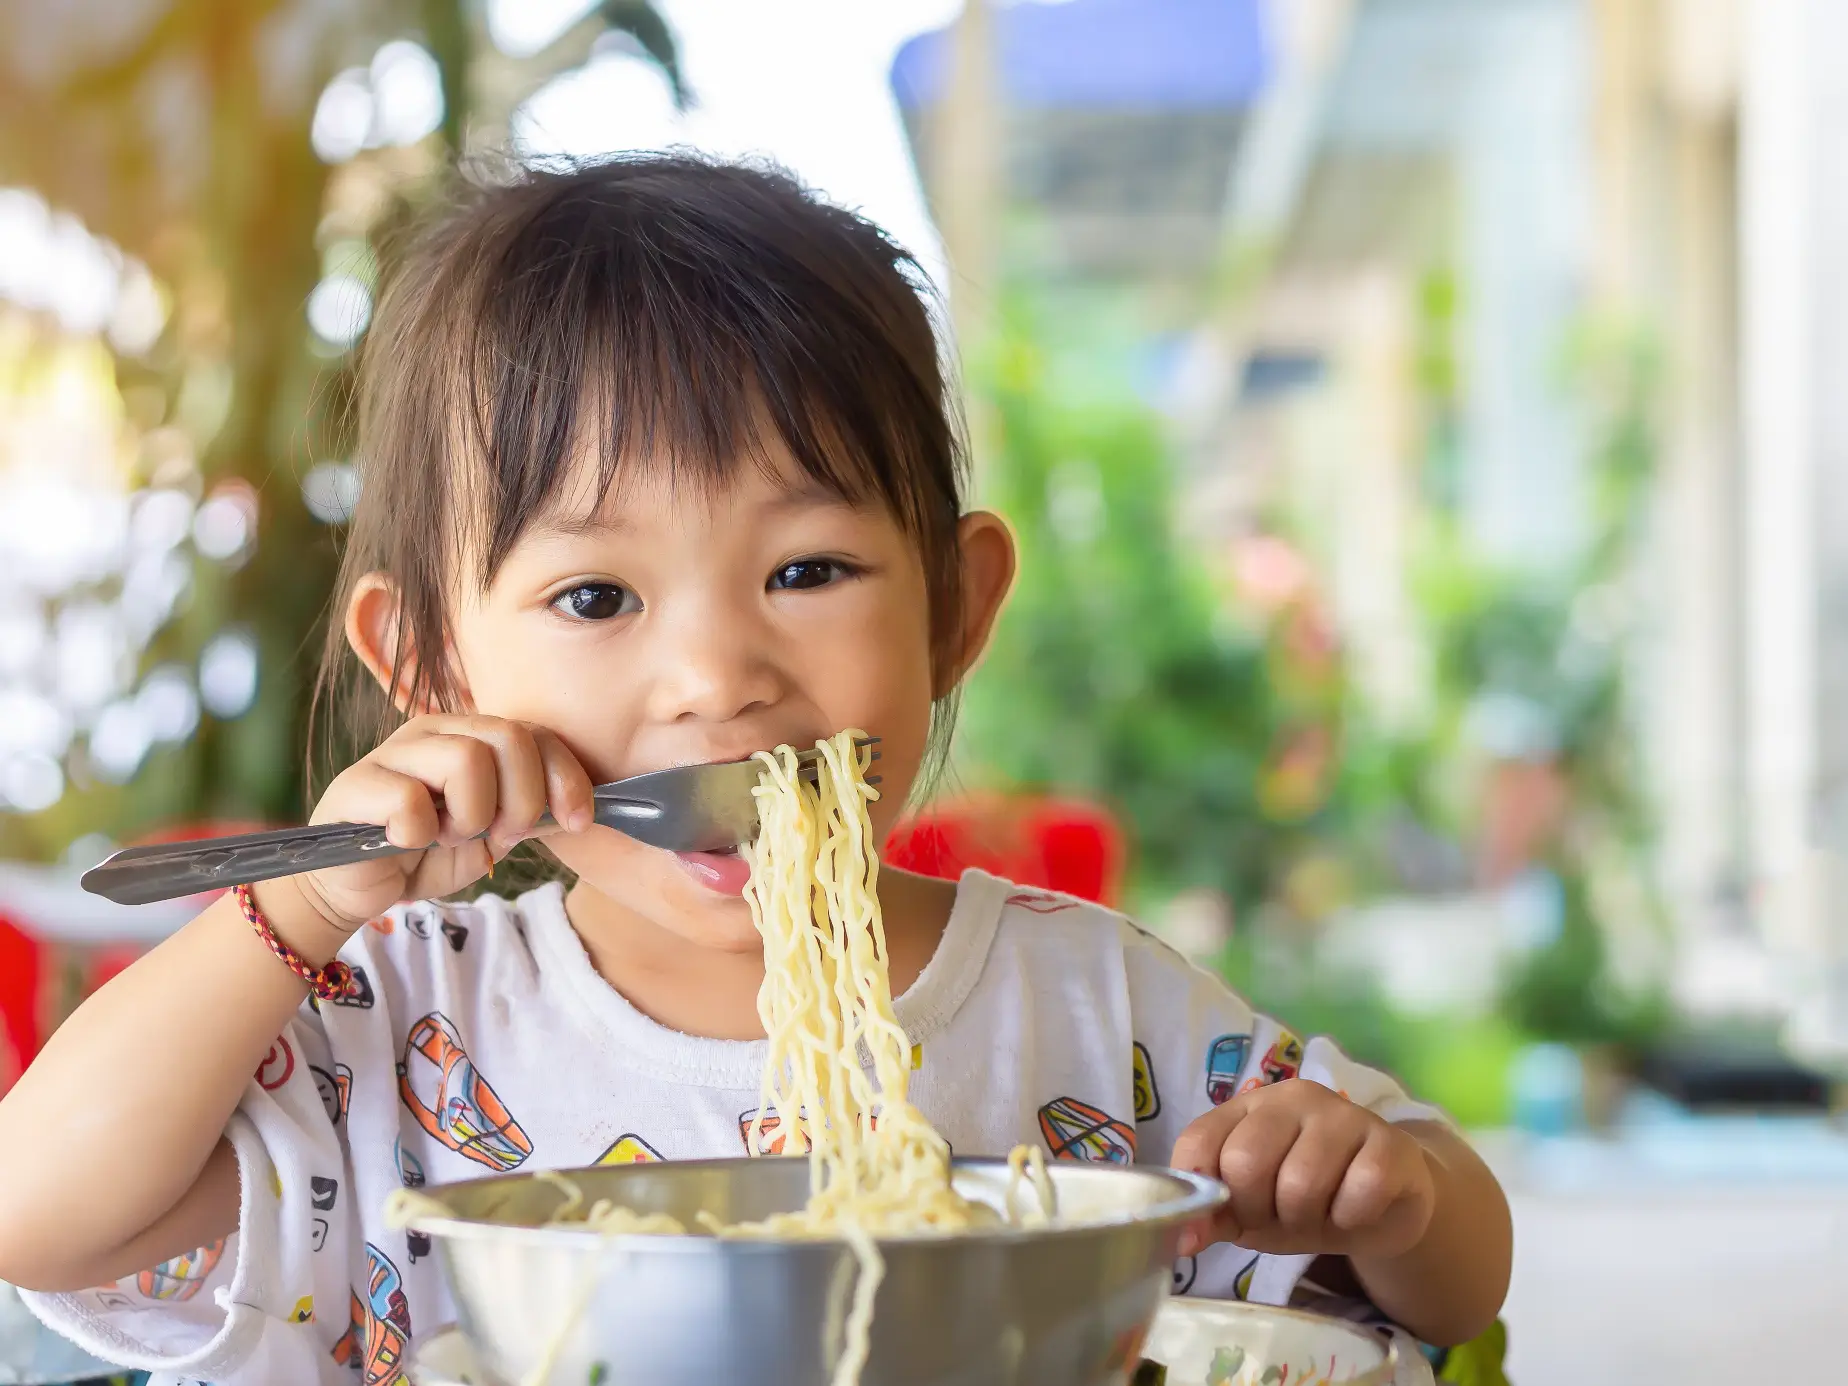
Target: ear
(372,623)
(989,559)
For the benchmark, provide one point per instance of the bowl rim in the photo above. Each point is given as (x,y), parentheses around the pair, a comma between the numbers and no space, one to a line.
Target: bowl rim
(1202,1194)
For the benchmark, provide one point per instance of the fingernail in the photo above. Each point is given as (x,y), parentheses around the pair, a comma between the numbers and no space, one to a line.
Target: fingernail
(1189,1243)
(582,820)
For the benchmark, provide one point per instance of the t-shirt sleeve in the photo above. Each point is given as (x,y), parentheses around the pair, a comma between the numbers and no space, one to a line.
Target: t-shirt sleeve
(244,1309)
(1198,1044)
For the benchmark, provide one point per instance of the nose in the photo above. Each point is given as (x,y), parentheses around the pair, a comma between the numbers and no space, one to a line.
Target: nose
(714,663)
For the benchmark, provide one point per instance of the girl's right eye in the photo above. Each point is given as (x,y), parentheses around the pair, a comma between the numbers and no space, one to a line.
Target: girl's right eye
(597,601)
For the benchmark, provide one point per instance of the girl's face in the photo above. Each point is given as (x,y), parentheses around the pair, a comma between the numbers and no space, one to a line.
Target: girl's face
(672,625)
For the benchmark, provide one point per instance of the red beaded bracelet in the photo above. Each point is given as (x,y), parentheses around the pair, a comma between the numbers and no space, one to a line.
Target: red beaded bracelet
(333,982)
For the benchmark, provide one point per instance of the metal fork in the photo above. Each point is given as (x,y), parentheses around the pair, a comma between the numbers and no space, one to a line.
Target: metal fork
(690,808)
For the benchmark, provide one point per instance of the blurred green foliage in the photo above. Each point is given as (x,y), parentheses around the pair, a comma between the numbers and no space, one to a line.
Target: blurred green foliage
(1118,671)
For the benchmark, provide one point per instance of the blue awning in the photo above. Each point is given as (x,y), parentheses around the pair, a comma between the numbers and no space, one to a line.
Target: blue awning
(1145,54)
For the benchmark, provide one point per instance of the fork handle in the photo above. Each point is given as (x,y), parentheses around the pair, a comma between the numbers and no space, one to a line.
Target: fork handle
(169,870)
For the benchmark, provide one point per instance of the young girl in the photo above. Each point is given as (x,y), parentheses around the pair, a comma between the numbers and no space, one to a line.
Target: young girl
(657,470)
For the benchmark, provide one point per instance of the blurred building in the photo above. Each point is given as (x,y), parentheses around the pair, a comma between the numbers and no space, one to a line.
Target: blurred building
(1287,189)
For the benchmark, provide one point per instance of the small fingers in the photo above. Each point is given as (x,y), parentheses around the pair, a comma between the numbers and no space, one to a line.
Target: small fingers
(1376,1178)
(1197,1148)
(520,771)
(402,804)
(1314,1170)
(568,788)
(461,769)
(1249,1162)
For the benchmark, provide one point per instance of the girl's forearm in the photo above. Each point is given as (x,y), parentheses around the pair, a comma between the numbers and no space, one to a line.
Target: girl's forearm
(111,1129)
(1450,1287)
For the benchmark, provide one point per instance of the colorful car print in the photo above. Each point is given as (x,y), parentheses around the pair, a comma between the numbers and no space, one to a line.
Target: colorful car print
(771,1137)
(1224,1058)
(1283,1060)
(1076,1130)
(380,1329)
(453,1102)
(179,1279)
(629,1150)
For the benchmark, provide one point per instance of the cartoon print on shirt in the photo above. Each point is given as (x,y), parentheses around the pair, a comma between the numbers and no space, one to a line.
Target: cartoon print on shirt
(1283,1060)
(426,921)
(629,1150)
(380,1326)
(453,1102)
(359,996)
(410,1168)
(1225,1056)
(336,1090)
(422,918)
(178,1279)
(771,1137)
(109,1298)
(278,1065)
(303,1312)
(1186,1271)
(323,1192)
(1076,1130)
(1241,1283)
(1037,902)
(1148,1096)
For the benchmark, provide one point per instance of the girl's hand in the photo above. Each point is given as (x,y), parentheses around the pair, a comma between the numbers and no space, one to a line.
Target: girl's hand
(1310,1173)
(436,784)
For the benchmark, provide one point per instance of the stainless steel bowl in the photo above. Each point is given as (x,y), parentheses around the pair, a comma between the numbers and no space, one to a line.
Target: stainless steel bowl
(1062,1306)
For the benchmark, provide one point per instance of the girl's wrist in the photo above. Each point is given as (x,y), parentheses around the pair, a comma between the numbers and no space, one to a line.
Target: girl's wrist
(300,918)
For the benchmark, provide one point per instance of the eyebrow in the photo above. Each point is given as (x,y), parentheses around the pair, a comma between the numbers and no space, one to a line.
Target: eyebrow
(806,495)
(579,526)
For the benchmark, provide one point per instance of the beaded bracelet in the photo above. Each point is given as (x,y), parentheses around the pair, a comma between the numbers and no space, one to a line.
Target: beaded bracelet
(333,982)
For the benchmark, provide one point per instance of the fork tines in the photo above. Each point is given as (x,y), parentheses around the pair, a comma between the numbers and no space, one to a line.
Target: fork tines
(808,760)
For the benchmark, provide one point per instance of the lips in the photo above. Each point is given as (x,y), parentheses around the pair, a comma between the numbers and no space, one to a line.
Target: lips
(723,873)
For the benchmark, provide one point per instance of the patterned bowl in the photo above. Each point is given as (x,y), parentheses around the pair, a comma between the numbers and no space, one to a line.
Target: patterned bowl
(1211,1342)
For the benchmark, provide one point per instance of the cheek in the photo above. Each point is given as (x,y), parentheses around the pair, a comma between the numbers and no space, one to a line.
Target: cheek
(874,671)
(511,673)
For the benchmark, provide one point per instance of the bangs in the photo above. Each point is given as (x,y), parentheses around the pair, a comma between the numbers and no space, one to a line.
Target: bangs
(599,327)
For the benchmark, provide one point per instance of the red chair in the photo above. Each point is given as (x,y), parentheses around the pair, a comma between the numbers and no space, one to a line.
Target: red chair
(1057,844)
(22,969)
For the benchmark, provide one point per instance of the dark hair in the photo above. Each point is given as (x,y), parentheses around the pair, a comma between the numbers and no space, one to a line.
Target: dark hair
(663,308)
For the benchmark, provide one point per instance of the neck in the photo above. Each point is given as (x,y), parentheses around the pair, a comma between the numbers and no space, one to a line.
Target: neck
(697,989)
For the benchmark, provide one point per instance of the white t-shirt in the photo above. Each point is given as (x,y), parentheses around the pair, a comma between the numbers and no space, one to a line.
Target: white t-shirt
(483,1041)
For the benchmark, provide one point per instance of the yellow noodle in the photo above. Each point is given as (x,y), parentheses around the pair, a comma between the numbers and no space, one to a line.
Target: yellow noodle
(1023,1162)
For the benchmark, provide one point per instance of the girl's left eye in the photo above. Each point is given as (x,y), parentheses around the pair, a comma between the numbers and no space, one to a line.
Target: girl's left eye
(809,572)
(597,601)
